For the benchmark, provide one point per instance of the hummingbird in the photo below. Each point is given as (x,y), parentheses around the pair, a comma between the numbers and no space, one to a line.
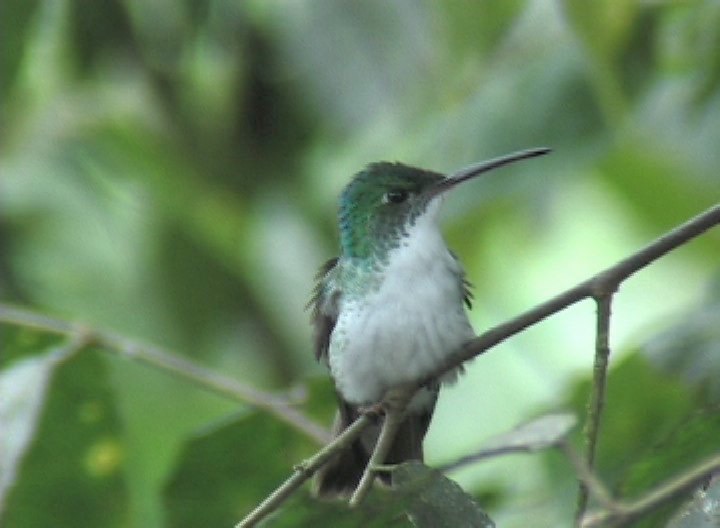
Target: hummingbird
(392,307)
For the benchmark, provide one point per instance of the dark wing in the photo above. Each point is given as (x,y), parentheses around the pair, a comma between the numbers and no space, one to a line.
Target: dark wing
(467,292)
(465,285)
(324,304)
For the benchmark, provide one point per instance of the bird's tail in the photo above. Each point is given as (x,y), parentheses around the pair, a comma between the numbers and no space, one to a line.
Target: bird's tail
(341,475)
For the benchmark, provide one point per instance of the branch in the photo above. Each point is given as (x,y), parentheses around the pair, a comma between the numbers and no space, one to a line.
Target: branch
(597,398)
(599,285)
(304,471)
(624,513)
(589,480)
(390,427)
(394,404)
(602,285)
(169,363)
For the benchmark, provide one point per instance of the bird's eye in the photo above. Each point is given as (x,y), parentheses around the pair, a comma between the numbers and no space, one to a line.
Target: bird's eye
(395,197)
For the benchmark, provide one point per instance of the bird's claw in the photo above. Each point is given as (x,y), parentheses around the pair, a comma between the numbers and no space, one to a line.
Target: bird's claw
(374,410)
(394,399)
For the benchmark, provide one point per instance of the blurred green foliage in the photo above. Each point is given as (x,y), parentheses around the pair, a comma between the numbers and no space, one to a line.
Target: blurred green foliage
(72,450)
(169,170)
(224,472)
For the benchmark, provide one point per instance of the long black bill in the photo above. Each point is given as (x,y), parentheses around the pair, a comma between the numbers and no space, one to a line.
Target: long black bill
(480,168)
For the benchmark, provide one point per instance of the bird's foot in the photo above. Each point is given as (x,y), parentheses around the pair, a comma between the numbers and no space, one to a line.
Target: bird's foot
(397,399)
(374,410)
(394,400)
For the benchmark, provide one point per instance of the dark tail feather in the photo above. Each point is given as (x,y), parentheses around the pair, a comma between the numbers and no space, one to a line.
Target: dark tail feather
(340,476)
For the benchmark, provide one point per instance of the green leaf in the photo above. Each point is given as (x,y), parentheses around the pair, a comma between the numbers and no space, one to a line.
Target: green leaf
(223,473)
(380,509)
(690,348)
(63,455)
(22,394)
(643,406)
(435,501)
(15,25)
(19,343)
(691,442)
(421,497)
(653,428)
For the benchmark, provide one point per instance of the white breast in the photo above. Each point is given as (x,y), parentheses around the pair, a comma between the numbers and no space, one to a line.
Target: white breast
(402,331)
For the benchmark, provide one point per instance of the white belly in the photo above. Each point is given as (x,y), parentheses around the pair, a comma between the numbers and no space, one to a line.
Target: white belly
(404,329)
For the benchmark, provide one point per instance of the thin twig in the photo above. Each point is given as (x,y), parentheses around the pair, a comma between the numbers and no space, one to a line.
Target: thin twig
(483,455)
(596,402)
(544,432)
(391,424)
(170,363)
(627,512)
(304,471)
(395,403)
(590,482)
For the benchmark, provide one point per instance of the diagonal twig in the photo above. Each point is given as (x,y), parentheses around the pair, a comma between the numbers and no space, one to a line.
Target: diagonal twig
(170,363)
(605,281)
(395,403)
(624,513)
(304,471)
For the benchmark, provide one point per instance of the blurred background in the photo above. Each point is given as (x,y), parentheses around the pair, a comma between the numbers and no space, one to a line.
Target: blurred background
(169,170)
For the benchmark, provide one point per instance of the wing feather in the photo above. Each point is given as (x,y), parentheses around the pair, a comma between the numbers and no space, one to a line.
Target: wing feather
(324,304)
(465,285)
(467,293)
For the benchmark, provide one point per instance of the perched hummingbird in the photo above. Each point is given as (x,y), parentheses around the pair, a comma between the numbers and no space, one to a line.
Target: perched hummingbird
(391,307)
